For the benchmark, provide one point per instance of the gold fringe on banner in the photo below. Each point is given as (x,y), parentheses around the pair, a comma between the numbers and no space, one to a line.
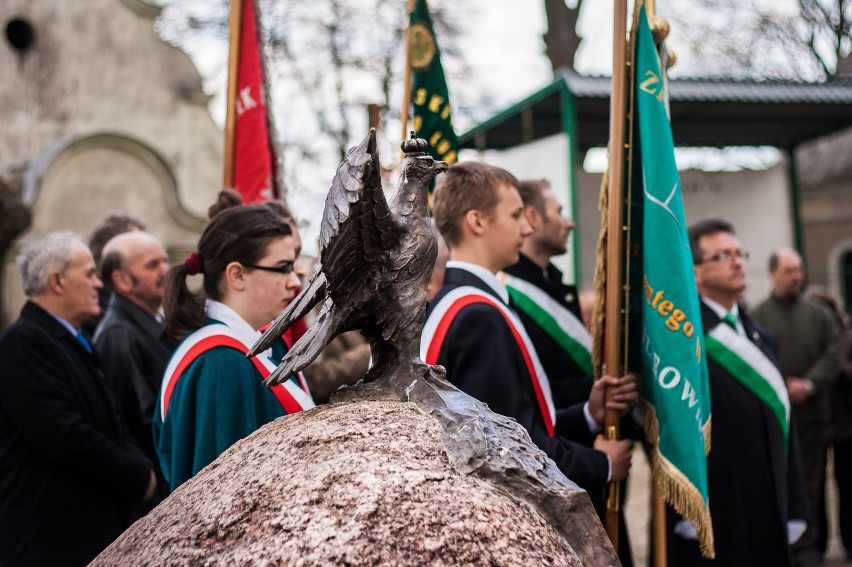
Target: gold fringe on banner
(676,488)
(597,322)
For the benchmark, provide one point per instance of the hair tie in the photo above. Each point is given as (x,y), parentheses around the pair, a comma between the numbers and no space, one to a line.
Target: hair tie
(194,264)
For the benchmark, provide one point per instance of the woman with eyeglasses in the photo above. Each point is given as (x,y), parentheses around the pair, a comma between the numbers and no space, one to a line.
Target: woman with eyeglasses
(212,395)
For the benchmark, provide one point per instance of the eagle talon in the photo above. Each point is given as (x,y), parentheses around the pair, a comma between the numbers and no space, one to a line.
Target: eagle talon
(271,381)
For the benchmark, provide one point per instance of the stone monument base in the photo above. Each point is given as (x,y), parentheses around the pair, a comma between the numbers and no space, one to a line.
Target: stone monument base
(373,483)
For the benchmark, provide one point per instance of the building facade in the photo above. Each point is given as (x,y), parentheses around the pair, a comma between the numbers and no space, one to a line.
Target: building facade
(101,116)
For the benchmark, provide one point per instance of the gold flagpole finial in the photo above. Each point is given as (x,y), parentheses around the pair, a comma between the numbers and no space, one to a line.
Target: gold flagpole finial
(671,59)
(659,28)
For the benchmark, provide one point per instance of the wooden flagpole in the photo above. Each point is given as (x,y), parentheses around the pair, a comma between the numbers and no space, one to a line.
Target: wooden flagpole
(406,80)
(235,24)
(613,344)
(649,7)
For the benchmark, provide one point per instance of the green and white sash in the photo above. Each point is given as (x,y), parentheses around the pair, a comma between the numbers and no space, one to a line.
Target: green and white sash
(747,364)
(559,323)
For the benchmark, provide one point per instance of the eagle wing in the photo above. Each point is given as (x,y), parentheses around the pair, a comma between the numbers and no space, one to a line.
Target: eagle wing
(357,225)
(312,294)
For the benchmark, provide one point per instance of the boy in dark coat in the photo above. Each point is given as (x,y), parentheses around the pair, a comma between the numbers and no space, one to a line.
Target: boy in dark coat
(473,331)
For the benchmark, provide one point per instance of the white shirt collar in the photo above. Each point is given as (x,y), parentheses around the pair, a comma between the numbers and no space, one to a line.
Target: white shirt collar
(71,328)
(229,317)
(485,275)
(721,311)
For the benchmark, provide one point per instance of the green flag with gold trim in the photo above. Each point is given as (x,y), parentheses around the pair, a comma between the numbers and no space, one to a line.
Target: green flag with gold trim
(675,383)
(433,120)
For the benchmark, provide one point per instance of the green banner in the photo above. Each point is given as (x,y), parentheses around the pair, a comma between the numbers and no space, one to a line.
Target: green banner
(675,383)
(433,119)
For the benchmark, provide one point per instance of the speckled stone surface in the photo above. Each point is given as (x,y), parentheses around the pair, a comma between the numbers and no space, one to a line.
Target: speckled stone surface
(368,483)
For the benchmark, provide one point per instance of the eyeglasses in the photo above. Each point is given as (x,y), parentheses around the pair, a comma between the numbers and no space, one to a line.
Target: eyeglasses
(285,269)
(725,256)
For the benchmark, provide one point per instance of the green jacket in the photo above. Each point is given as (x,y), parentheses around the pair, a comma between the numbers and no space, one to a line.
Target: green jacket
(809,345)
(218,400)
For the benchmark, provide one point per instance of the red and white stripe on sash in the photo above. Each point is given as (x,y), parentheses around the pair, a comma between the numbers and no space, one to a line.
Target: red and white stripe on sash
(442,316)
(292,398)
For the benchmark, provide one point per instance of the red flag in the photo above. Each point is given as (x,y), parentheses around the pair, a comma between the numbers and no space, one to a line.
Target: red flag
(253,162)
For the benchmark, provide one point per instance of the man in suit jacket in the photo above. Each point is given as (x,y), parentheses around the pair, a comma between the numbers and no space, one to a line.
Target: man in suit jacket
(105,230)
(810,347)
(550,311)
(129,339)
(69,472)
(755,482)
(473,332)
(548,307)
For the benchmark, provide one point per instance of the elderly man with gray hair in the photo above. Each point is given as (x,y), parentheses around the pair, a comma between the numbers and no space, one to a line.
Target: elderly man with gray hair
(69,472)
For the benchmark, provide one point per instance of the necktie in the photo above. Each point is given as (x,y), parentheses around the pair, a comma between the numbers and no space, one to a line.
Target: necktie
(84,341)
(732,320)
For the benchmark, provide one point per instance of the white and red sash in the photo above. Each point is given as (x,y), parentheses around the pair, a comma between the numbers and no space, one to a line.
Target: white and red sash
(441,318)
(232,332)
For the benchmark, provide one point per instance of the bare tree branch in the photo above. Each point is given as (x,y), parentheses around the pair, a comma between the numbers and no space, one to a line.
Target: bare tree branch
(765,39)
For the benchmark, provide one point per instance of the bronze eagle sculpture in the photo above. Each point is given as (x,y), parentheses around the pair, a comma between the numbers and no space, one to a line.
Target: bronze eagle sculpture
(376,260)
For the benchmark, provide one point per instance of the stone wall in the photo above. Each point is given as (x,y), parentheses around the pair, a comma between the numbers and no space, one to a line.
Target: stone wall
(110,118)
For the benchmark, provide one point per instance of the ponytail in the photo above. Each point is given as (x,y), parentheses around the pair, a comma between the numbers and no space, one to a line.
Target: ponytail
(183,308)
(234,234)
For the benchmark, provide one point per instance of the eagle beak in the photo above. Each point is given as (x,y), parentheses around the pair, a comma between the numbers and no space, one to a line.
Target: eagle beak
(371,141)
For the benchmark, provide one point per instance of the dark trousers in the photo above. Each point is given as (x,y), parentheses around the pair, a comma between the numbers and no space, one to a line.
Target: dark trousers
(625,551)
(813,441)
(843,477)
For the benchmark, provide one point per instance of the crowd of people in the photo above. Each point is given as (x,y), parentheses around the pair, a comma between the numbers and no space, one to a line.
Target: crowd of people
(124,376)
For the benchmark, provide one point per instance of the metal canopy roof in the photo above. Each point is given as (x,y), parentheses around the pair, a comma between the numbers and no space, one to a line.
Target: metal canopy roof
(705,112)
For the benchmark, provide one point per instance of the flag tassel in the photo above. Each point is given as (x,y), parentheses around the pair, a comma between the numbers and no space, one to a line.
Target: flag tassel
(673,487)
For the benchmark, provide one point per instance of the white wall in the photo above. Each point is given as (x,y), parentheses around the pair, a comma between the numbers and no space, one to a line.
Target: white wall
(757,203)
(543,159)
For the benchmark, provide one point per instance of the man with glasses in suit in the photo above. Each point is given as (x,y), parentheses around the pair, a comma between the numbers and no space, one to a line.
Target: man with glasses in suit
(755,482)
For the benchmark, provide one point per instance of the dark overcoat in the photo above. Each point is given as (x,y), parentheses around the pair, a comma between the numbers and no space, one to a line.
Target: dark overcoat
(755,483)
(483,360)
(569,383)
(134,355)
(69,471)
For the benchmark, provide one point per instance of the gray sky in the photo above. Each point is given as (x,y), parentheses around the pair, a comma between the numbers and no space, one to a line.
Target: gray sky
(504,52)
(515,67)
